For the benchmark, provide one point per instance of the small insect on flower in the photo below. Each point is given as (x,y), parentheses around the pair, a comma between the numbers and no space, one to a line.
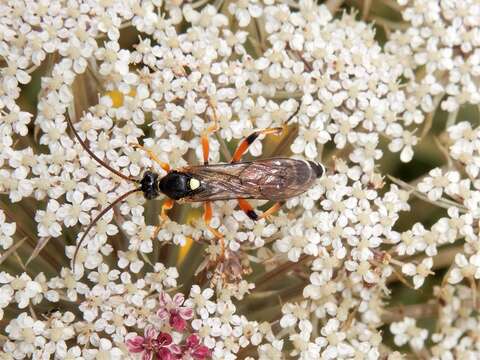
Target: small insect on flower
(275,179)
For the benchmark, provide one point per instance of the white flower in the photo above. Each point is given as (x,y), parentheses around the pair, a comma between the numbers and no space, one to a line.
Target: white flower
(411,241)
(404,143)
(465,268)
(407,331)
(270,351)
(130,258)
(26,334)
(47,220)
(6,231)
(71,285)
(200,300)
(434,184)
(6,292)
(25,290)
(336,347)
(247,332)
(78,52)
(308,138)
(298,241)
(293,313)
(57,333)
(77,211)
(465,147)
(244,10)
(419,272)
(366,153)
(104,277)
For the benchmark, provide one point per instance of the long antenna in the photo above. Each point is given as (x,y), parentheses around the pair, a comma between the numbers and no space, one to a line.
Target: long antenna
(98,217)
(293,115)
(90,152)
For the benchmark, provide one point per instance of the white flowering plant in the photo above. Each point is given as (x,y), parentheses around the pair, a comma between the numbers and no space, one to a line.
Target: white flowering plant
(379,258)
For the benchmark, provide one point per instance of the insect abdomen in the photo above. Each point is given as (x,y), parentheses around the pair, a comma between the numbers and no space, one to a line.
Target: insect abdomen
(292,178)
(318,168)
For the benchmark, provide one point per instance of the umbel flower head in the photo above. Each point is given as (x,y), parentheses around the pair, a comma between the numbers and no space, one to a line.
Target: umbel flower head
(378,258)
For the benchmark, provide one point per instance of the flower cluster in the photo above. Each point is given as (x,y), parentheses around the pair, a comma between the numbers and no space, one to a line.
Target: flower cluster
(161,345)
(349,87)
(344,239)
(176,328)
(443,39)
(139,83)
(457,324)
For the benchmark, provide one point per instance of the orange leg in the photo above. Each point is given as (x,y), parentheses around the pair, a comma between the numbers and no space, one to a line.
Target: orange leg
(207,217)
(271,210)
(167,205)
(153,157)
(245,143)
(248,209)
(210,130)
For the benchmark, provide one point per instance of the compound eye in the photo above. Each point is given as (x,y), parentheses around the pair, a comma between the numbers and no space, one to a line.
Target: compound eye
(150,178)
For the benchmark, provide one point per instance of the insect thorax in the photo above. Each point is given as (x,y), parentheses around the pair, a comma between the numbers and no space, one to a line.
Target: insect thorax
(177,185)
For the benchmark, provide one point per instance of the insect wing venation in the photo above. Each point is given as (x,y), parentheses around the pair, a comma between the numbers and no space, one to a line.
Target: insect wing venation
(271,179)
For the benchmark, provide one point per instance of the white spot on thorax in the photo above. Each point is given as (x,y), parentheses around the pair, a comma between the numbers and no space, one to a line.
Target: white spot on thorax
(194,183)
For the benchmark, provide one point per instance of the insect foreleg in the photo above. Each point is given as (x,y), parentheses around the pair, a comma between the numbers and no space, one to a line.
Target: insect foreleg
(248,209)
(167,205)
(153,157)
(245,143)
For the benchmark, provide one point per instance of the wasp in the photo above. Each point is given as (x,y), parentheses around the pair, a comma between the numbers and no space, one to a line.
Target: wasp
(275,179)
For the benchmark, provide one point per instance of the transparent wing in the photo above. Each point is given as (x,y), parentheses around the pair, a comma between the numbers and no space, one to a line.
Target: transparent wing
(271,179)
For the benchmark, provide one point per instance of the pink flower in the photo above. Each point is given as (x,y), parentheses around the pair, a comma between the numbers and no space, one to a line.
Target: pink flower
(164,340)
(165,347)
(146,344)
(165,354)
(151,344)
(196,350)
(173,310)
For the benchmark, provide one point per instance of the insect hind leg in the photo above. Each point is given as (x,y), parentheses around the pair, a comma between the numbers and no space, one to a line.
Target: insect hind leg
(252,214)
(245,143)
(210,130)
(207,217)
